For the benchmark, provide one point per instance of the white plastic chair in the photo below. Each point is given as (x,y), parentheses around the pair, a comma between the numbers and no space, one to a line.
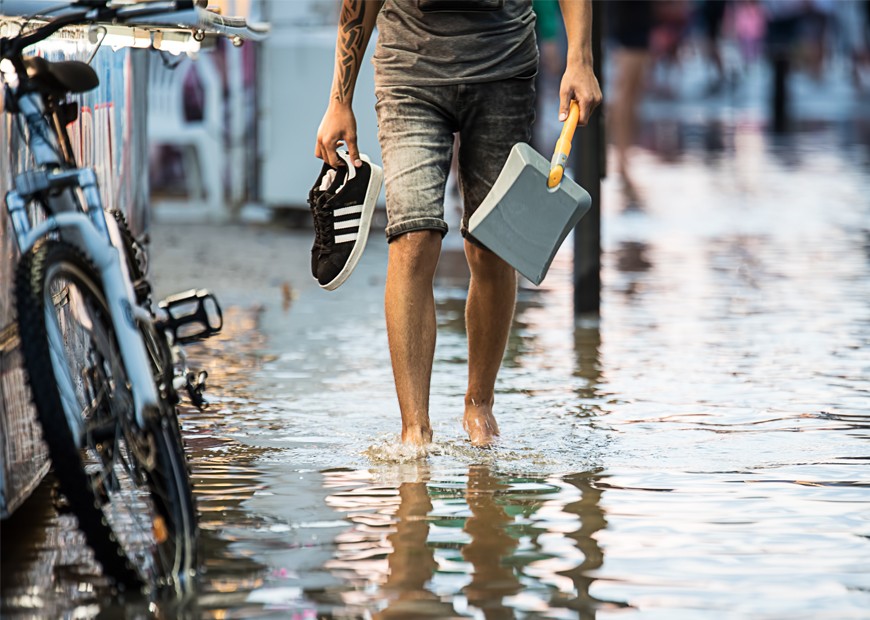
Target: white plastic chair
(200,141)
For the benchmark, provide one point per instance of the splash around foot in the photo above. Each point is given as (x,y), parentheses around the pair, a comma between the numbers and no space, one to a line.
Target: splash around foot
(392,450)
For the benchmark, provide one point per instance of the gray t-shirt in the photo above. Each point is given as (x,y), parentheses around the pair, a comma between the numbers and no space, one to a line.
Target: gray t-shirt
(436,42)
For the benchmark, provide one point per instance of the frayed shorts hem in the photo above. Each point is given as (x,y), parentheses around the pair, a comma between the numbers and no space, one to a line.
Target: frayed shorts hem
(423,223)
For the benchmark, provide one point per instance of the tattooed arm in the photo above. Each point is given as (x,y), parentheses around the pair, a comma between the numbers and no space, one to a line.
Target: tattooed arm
(339,123)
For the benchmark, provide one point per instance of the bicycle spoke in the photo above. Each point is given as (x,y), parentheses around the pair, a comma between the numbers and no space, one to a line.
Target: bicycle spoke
(64,379)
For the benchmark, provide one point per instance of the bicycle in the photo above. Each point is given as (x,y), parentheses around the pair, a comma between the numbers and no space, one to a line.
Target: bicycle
(103,362)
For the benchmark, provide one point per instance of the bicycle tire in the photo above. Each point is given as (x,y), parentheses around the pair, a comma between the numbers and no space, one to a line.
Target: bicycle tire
(120,470)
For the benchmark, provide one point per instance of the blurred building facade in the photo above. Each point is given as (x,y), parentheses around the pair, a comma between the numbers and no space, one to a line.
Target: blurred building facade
(249,115)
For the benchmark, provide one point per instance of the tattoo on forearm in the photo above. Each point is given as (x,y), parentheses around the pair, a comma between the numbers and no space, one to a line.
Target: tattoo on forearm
(351,39)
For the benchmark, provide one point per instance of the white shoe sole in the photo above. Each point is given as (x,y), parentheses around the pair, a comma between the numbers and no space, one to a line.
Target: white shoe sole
(376,181)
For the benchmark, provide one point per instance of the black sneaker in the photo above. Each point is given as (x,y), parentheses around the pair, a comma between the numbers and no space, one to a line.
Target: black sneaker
(328,182)
(342,218)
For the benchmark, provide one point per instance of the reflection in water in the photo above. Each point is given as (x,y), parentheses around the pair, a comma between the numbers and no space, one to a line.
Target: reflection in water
(592,521)
(714,140)
(492,579)
(631,257)
(223,470)
(667,138)
(48,570)
(457,545)
(632,261)
(411,562)
(46,565)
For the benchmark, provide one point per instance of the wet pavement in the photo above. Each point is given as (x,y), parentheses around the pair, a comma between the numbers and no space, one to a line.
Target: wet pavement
(701,451)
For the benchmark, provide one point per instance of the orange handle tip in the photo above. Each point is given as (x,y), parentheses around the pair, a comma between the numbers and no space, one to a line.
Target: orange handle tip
(563,146)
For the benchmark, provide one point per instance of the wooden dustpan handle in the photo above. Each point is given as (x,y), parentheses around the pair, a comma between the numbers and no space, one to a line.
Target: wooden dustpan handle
(563,147)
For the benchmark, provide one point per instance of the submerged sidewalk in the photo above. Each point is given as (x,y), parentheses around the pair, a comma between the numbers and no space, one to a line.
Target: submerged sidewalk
(720,402)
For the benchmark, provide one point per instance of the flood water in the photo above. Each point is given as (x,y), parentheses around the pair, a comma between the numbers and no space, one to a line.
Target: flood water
(701,451)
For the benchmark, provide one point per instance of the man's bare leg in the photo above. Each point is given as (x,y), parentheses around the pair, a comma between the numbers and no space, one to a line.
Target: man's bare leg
(409,304)
(489,312)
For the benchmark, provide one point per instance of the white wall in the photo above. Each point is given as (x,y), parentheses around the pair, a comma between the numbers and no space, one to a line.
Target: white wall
(296,66)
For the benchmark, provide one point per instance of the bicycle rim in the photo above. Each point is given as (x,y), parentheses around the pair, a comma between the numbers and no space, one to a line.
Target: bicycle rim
(129,488)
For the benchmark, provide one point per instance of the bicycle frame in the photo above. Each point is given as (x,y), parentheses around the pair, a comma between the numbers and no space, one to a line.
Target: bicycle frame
(79,218)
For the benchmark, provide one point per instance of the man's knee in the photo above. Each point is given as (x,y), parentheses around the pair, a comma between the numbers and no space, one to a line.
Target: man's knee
(486,264)
(416,251)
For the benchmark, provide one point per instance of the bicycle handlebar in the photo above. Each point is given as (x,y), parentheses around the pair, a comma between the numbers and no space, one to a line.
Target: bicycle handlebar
(95,11)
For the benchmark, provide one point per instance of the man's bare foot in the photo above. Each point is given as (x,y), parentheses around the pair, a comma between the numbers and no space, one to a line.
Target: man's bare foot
(417,435)
(480,424)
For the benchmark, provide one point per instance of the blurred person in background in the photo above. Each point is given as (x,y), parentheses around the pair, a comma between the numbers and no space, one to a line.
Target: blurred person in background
(750,27)
(864,55)
(631,25)
(671,21)
(818,17)
(712,15)
(853,26)
(784,20)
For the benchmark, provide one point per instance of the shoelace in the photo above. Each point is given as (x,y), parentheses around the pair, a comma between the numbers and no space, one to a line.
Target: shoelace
(324,233)
(318,233)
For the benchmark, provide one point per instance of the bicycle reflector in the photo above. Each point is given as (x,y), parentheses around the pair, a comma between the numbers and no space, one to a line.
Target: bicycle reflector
(192,315)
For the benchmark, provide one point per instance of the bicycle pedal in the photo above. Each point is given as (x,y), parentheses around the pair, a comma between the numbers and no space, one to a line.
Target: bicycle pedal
(192,315)
(195,387)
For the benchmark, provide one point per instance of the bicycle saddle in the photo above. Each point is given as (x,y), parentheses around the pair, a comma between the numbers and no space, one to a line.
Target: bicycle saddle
(62,77)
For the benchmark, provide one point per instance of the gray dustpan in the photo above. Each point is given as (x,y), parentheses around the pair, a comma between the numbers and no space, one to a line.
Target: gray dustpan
(522,220)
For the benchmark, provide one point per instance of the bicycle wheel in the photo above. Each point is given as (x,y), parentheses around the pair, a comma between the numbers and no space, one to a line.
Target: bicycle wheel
(128,486)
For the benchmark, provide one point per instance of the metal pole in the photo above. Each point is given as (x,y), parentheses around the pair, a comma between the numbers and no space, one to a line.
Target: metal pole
(779,96)
(236,117)
(590,166)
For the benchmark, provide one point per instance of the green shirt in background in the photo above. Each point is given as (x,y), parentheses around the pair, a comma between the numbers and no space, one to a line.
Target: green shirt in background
(548,14)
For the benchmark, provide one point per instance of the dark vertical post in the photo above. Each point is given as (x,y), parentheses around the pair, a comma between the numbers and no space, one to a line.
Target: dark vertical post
(780,102)
(782,31)
(589,166)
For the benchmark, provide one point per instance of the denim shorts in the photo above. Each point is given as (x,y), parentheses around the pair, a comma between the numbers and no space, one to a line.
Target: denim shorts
(415,129)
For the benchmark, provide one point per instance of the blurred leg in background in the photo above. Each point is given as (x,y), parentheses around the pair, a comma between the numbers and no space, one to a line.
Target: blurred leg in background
(817,25)
(712,16)
(853,21)
(631,25)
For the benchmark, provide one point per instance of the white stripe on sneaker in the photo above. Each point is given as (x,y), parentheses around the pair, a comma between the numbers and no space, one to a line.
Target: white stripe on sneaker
(346,238)
(346,224)
(348,210)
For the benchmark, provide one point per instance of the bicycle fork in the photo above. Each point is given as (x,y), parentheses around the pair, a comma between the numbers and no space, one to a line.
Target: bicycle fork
(93,233)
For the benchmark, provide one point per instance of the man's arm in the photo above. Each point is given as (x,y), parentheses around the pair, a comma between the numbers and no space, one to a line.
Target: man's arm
(579,82)
(355,27)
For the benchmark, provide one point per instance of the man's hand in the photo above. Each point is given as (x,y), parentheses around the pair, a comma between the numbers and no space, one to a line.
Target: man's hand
(579,81)
(338,125)
(579,84)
